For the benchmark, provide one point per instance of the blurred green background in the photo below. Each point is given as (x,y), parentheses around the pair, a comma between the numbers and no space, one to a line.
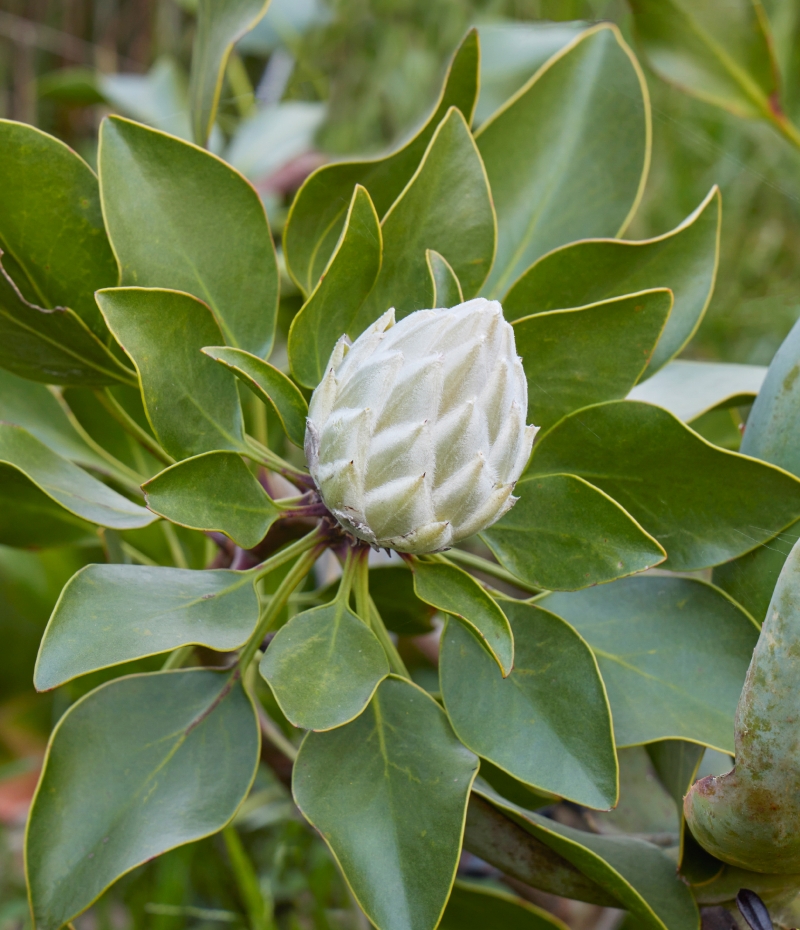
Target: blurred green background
(320,79)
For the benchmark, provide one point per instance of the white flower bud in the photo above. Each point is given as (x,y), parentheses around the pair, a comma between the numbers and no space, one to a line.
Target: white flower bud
(416,435)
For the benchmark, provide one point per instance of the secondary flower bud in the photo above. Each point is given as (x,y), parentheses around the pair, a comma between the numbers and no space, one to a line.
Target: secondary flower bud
(416,435)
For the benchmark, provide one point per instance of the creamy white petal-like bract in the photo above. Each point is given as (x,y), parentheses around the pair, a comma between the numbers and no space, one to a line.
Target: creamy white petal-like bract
(416,434)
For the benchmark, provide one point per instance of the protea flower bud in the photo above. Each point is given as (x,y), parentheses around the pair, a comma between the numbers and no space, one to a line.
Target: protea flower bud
(416,435)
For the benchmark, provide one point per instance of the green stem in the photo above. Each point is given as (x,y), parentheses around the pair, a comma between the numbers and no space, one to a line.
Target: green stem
(175,547)
(177,657)
(126,421)
(271,460)
(478,564)
(277,602)
(286,555)
(272,732)
(348,576)
(247,881)
(366,609)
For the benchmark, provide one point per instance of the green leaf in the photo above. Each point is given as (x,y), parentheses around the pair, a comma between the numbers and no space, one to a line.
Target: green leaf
(673,653)
(548,723)
(684,260)
(567,156)
(219,24)
(574,358)
(473,907)
(446,287)
(318,212)
(37,409)
(771,435)
(689,389)
(191,402)
(641,876)
(51,227)
(54,346)
(206,230)
(726,60)
(446,206)
(640,455)
(676,761)
(388,792)
(392,589)
(563,534)
(324,666)
(214,492)
(513,51)
(453,591)
(270,385)
(750,817)
(34,476)
(139,766)
(109,614)
(336,301)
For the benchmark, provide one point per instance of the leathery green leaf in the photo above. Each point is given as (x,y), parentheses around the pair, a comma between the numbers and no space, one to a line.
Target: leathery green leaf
(388,792)
(455,592)
(34,476)
(548,723)
(112,797)
(446,206)
(216,492)
(473,907)
(684,260)
(689,389)
(574,358)
(639,875)
(191,402)
(207,232)
(640,455)
(673,653)
(219,25)
(53,346)
(36,408)
(109,614)
(392,589)
(772,435)
(324,666)
(51,227)
(567,155)
(270,385)
(726,60)
(563,534)
(318,213)
(335,302)
(748,817)
(446,287)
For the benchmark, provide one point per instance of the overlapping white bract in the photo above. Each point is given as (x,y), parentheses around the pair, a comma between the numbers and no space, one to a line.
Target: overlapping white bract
(416,435)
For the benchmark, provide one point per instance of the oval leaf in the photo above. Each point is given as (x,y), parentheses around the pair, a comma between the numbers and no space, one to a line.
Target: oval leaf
(215,492)
(684,260)
(446,206)
(66,484)
(324,666)
(207,232)
(112,797)
(452,590)
(335,302)
(673,653)
(51,226)
(473,907)
(574,358)
(567,155)
(388,792)
(446,287)
(548,723)
(641,876)
(640,455)
(191,403)
(109,614)
(564,534)
(318,213)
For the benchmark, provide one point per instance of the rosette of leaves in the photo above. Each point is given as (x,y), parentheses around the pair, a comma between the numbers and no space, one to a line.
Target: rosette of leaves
(141,307)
